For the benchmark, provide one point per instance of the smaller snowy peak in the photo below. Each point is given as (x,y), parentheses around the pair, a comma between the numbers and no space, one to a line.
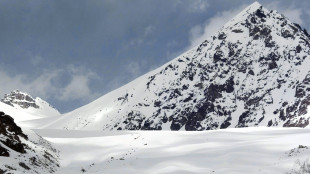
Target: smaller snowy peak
(24,101)
(19,98)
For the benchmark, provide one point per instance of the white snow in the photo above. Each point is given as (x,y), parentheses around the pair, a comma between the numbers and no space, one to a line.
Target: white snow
(231,151)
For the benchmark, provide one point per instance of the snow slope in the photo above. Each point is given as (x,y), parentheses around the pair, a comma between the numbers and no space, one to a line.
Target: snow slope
(229,151)
(253,72)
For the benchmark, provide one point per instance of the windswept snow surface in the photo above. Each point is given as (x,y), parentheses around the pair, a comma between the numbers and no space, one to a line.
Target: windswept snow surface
(244,150)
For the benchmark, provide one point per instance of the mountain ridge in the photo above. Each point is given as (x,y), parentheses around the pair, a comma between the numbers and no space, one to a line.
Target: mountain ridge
(26,102)
(246,74)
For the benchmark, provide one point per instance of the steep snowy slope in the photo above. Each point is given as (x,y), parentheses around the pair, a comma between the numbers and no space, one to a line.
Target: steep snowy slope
(253,72)
(23,151)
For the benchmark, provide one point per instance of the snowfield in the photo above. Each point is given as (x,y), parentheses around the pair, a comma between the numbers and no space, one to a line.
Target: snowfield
(243,150)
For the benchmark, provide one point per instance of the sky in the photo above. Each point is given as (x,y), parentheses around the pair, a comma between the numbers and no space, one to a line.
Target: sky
(71,52)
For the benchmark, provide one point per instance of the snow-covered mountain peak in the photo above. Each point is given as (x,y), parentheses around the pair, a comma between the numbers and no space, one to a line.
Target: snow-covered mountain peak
(255,8)
(26,102)
(252,8)
(253,72)
(19,98)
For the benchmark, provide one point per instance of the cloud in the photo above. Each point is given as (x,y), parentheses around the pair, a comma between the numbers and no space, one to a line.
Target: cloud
(40,86)
(200,33)
(131,71)
(79,85)
(140,39)
(52,84)
(133,68)
(77,88)
(198,6)
(36,60)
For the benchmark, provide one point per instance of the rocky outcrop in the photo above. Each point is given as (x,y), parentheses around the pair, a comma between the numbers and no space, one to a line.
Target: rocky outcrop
(25,153)
(22,99)
(12,134)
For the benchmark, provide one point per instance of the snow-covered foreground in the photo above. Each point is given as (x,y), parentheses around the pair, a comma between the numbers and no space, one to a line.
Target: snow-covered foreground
(243,150)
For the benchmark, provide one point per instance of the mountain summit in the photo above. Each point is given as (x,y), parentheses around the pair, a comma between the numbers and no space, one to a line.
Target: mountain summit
(253,72)
(26,102)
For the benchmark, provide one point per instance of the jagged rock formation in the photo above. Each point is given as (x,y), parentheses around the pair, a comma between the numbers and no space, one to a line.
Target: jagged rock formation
(20,152)
(26,102)
(22,99)
(12,133)
(253,72)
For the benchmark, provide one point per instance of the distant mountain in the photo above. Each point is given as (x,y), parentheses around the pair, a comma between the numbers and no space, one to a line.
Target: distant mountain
(23,151)
(253,72)
(26,102)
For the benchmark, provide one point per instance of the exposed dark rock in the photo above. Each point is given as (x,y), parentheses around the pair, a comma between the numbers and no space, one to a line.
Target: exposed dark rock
(306,33)
(298,49)
(269,123)
(237,31)
(23,165)
(218,56)
(222,36)
(251,72)
(2,171)
(16,145)
(194,120)
(4,151)
(243,119)
(254,31)
(226,123)
(260,13)
(22,99)
(213,92)
(282,115)
(124,98)
(178,122)
(157,103)
(13,133)
(299,123)
(298,26)
(272,65)
(134,120)
(286,34)
(260,120)
(269,42)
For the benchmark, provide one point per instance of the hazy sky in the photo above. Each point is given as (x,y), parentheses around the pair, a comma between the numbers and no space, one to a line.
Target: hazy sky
(70,52)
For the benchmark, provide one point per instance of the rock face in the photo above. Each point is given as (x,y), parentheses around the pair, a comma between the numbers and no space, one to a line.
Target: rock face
(253,72)
(12,133)
(22,99)
(22,153)
(26,102)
